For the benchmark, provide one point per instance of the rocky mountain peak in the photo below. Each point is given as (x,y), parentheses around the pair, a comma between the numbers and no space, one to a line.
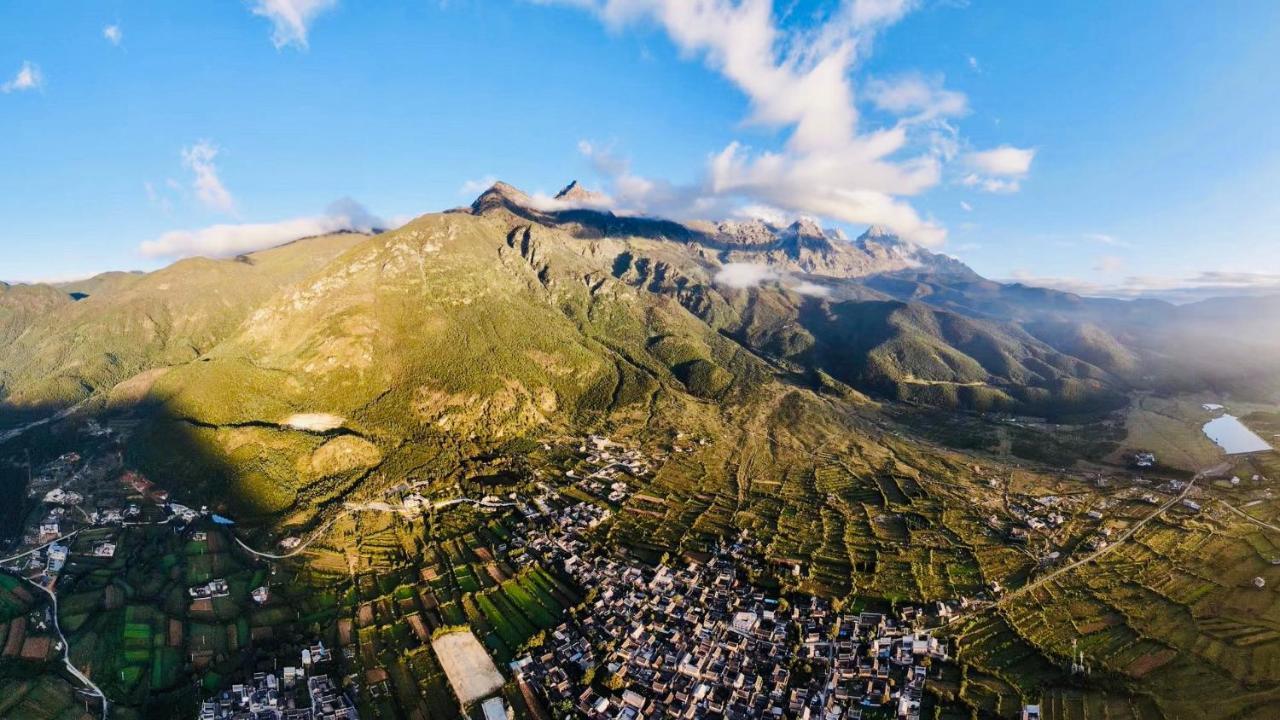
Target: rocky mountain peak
(576,193)
(500,195)
(878,232)
(806,227)
(884,237)
(755,232)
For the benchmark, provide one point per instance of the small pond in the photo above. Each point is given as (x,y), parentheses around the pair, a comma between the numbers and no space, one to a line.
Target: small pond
(1233,437)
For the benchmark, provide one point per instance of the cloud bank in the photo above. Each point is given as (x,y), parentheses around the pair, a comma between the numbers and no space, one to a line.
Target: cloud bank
(1174,289)
(811,289)
(231,239)
(741,276)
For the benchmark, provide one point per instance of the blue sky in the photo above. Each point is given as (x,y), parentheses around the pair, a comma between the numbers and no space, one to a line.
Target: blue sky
(1108,147)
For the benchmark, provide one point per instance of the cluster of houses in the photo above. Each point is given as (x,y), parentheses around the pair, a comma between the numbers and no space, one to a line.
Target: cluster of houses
(612,462)
(294,693)
(212,589)
(58,496)
(700,640)
(1042,514)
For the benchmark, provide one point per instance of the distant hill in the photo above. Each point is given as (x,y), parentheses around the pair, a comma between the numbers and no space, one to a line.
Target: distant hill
(127,323)
(99,284)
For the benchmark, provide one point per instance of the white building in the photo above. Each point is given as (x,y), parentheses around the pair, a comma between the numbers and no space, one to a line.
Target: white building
(494,709)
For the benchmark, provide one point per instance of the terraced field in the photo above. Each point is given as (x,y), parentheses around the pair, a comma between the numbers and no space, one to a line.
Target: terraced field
(1164,620)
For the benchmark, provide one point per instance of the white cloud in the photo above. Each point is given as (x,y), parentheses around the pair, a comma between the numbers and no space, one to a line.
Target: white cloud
(291,19)
(744,275)
(207,185)
(798,80)
(27,78)
(1005,160)
(226,240)
(998,170)
(991,185)
(113,34)
(767,213)
(811,289)
(966,206)
(974,65)
(915,96)
(471,188)
(1175,289)
(869,13)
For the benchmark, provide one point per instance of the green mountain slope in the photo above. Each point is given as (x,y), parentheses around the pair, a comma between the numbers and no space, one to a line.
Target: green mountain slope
(75,349)
(454,331)
(285,378)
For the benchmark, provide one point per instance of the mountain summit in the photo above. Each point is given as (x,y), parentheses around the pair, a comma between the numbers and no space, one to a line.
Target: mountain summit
(801,247)
(575,193)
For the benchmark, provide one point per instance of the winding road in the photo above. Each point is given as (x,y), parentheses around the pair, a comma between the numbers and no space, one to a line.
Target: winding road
(66,652)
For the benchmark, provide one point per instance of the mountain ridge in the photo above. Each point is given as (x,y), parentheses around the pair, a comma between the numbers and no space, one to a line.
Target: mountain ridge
(880,314)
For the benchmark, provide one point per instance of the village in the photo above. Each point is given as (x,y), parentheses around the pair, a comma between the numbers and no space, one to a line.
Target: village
(700,641)
(301,692)
(688,638)
(697,639)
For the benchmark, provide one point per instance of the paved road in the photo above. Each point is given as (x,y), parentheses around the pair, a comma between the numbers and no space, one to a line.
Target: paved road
(1120,539)
(66,652)
(38,548)
(301,547)
(1248,517)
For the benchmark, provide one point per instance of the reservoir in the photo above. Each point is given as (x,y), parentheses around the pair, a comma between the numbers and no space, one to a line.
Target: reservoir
(1233,437)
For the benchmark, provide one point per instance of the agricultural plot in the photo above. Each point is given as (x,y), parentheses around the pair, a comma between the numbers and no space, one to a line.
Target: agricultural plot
(1172,615)
(47,697)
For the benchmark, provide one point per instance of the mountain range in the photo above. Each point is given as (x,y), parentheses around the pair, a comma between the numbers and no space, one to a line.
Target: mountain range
(515,317)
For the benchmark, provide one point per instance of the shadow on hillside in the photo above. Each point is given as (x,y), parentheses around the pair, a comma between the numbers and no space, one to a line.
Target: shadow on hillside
(29,438)
(231,470)
(147,436)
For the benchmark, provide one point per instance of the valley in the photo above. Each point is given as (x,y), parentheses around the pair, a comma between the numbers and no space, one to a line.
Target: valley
(543,435)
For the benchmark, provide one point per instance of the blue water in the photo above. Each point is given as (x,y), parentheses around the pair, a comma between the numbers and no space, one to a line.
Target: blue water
(1233,437)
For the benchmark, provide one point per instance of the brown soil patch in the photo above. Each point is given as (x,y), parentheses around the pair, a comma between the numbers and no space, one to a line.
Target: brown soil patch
(36,648)
(1149,662)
